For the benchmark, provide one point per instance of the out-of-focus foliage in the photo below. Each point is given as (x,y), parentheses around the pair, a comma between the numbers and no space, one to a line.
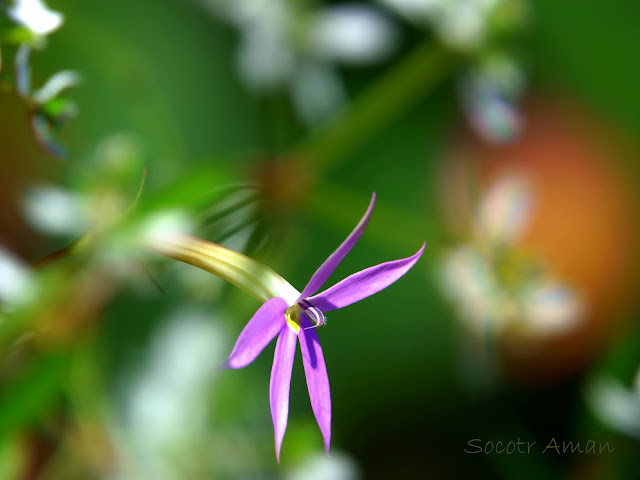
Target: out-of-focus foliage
(501,132)
(24,27)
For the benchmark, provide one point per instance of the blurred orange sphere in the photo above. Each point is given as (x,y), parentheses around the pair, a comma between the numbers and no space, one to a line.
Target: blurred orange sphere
(583,226)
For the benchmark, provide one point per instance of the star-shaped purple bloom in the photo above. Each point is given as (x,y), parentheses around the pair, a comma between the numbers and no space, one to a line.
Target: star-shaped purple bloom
(296,321)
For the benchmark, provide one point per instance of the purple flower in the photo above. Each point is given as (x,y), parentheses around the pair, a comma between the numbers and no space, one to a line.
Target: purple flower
(295,321)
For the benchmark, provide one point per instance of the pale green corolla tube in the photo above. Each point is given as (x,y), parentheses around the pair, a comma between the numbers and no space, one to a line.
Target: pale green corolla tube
(253,277)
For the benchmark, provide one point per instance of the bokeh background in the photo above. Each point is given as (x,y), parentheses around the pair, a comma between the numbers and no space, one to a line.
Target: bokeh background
(518,323)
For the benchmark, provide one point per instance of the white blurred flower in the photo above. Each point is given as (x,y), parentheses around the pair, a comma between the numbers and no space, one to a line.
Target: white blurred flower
(118,253)
(320,467)
(463,23)
(550,307)
(616,405)
(265,60)
(166,224)
(490,89)
(504,211)
(459,23)
(317,92)
(55,211)
(56,84)
(468,280)
(166,405)
(489,92)
(352,33)
(495,286)
(35,16)
(17,286)
(118,155)
(295,46)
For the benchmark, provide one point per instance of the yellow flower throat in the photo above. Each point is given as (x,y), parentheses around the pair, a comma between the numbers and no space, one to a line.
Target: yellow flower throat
(292,314)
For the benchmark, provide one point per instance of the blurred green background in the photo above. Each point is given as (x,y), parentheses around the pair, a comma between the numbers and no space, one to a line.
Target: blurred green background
(107,377)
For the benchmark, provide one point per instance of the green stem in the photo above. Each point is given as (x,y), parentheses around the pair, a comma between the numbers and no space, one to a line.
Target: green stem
(388,97)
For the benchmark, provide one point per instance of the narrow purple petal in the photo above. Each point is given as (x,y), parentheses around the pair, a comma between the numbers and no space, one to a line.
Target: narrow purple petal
(317,380)
(261,329)
(326,269)
(280,383)
(363,284)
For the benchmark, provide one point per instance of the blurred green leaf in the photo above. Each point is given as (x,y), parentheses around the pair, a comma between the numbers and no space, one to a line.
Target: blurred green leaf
(59,110)
(27,398)
(194,192)
(10,459)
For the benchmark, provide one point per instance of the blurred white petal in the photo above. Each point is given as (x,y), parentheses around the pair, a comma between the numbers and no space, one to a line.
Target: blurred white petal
(166,405)
(166,224)
(615,405)
(489,93)
(463,23)
(319,467)
(17,287)
(36,16)
(352,33)
(317,93)
(551,307)
(460,23)
(466,273)
(265,60)
(505,210)
(492,117)
(56,211)
(55,85)
(468,280)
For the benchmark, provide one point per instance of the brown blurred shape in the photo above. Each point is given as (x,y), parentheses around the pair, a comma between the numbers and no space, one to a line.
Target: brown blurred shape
(584,224)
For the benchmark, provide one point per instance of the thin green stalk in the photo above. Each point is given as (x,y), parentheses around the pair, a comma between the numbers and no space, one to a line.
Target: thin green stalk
(421,70)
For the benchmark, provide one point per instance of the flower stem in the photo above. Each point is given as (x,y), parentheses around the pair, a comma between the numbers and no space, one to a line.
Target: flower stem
(388,97)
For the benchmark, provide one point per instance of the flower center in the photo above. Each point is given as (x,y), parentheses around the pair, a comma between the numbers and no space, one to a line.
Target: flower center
(293,315)
(514,268)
